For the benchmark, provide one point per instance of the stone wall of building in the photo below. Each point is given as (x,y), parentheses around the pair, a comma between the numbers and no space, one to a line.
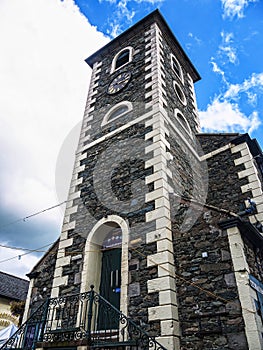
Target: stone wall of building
(128,169)
(209,310)
(42,275)
(224,184)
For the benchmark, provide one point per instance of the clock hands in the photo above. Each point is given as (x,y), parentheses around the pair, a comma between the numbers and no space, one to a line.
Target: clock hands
(119,82)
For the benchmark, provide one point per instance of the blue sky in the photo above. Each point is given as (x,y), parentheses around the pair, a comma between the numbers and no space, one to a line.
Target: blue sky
(44,83)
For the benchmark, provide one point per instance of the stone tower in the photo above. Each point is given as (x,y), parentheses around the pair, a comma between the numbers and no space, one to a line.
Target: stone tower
(140,114)
(164,221)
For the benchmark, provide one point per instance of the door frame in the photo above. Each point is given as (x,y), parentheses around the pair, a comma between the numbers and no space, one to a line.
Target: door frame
(91,273)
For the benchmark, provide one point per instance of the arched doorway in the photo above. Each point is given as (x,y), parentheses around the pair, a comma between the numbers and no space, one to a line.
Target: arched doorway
(106,261)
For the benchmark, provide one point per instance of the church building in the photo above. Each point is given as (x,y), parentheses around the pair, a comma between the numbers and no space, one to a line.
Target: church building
(161,245)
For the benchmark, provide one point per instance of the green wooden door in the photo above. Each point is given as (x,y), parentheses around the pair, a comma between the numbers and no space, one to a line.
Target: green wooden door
(110,285)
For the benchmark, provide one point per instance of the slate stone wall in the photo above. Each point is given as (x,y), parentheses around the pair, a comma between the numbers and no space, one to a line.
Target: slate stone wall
(189,176)
(73,271)
(254,256)
(211,142)
(209,309)
(43,275)
(128,169)
(224,188)
(139,304)
(203,258)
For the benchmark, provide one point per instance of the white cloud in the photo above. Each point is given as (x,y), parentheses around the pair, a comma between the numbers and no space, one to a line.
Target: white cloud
(254,83)
(121,14)
(123,10)
(195,38)
(227,49)
(235,8)
(218,70)
(152,2)
(224,113)
(124,13)
(223,116)
(43,88)
(43,85)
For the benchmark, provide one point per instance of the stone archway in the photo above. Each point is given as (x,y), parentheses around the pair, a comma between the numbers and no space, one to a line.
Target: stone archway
(91,273)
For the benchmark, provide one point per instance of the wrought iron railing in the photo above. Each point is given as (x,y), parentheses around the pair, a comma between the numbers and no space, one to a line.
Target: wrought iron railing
(29,333)
(85,317)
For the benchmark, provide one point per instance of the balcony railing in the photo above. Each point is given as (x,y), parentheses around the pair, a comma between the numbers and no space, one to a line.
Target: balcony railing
(85,317)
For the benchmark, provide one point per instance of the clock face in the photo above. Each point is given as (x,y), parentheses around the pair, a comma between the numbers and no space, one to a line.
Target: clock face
(119,82)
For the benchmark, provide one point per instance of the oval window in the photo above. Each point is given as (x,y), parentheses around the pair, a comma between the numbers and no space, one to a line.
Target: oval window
(183,121)
(176,67)
(179,93)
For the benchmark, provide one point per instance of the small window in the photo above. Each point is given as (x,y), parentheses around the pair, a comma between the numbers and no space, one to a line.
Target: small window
(122,58)
(117,111)
(176,67)
(182,120)
(179,93)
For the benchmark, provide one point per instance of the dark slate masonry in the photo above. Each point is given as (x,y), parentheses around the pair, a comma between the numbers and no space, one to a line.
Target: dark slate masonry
(208,321)
(43,274)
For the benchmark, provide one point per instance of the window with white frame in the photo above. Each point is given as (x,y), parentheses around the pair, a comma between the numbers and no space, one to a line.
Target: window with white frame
(176,67)
(182,120)
(179,92)
(117,111)
(122,58)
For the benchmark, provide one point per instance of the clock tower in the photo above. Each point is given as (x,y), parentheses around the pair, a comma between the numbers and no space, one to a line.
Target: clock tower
(136,158)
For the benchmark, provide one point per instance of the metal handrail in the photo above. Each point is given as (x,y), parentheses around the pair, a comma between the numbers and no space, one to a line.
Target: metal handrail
(87,317)
(28,333)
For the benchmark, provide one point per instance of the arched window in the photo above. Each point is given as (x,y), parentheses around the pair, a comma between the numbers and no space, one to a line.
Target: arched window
(176,67)
(122,58)
(179,93)
(182,120)
(117,111)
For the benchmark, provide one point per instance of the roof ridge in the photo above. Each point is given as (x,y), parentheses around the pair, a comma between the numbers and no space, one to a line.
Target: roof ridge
(8,274)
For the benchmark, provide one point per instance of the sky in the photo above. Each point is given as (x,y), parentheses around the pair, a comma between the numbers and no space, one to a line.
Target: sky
(44,83)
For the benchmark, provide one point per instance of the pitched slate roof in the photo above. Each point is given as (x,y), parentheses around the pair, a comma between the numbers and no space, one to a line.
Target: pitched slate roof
(13,287)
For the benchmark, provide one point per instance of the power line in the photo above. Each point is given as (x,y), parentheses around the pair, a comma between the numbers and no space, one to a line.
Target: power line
(29,252)
(59,204)
(34,214)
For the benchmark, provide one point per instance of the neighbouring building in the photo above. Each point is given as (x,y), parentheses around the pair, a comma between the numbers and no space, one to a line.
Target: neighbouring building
(162,222)
(12,288)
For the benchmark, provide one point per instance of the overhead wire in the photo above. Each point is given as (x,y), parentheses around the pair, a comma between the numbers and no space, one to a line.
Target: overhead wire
(29,251)
(32,215)
(23,219)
